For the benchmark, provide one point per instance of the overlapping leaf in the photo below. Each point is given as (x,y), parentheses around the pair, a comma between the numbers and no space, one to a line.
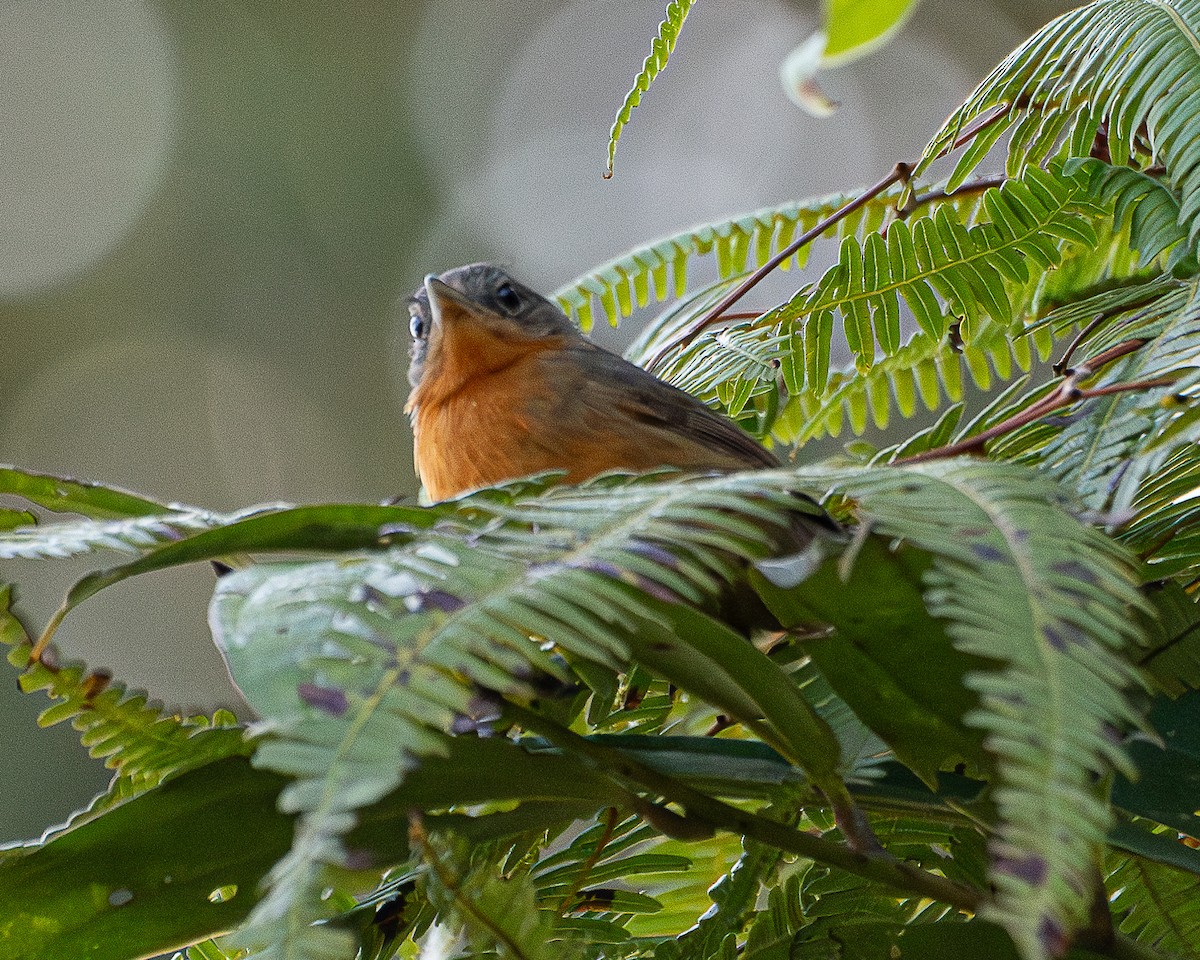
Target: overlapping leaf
(134,735)
(660,52)
(1125,67)
(1020,583)
(363,664)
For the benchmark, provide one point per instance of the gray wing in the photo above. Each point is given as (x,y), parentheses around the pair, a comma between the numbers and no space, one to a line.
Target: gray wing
(615,384)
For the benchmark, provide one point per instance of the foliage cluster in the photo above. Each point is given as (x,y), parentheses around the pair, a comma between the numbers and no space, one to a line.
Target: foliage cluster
(528,722)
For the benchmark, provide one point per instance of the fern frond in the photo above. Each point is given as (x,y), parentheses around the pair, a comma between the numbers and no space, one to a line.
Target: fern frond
(953,261)
(739,244)
(1166,524)
(132,734)
(660,51)
(384,654)
(499,913)
(1128,68)
(1154,903)
(128,535)
(736,363)
(1172,659)
(210,950)
(1133,456)
(298,882)
(924,369)
(584,880)
(387,653)
(67,495)
(969,268)
(732,898)
(817,910)
(1019,583)
(1151,209)
(776,925)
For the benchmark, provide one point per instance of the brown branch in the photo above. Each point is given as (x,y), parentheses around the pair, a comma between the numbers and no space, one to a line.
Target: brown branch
(1067,393)
(1115,352)
(1131,387)
(901,173)
(975,186)
(1061,366)
(980,125)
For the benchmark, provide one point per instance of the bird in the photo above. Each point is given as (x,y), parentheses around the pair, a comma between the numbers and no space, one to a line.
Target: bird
(504,385)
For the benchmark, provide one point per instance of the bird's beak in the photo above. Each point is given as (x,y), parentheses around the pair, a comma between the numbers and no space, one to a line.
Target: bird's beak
(445,302)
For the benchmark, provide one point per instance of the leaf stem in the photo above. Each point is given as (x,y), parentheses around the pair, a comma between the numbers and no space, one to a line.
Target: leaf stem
(900,172)
(714,814)
(1114,352)
(1067,393)
(610,824)
(1061,366)
(981,185)
(419,838)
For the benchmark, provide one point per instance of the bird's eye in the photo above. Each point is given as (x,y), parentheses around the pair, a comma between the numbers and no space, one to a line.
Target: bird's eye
(508,298)
(416,326)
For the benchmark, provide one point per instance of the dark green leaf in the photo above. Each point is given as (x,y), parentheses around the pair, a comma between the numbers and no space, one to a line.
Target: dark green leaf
(887,657)
(65,495)
(137,880)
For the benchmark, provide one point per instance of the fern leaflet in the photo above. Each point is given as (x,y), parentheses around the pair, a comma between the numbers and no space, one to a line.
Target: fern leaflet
(660,50)
(1072,80)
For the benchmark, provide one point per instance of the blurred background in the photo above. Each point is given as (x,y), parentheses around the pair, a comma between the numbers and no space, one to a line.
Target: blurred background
(211,210)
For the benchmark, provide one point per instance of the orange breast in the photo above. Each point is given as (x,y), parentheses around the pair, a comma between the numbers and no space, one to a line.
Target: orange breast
(543,410)
(482,434)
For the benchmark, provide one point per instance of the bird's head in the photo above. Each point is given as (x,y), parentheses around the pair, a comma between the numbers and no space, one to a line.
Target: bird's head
(477,316)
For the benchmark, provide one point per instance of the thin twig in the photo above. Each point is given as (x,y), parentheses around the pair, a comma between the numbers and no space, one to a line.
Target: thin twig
(1060,367)
(1114,352)
(717,313)
(980,125)
(717,815)
(1131,387)
(980,185)
(1066,394)
(610,824)
(901,173)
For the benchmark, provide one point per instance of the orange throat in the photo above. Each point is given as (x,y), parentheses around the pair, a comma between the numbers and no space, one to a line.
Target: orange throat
(467,412)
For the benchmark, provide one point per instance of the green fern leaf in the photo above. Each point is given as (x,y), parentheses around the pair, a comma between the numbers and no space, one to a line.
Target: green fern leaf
(66,495)
(364,664)
(499,913)
(1151,209)
(1011,575)
(731,899)
(1078,73)
(997,266)
(660,51)
(127,535)
(1153,903)
(1133,456)
(133,734)
(969,268)
(1172,658)
(741,243)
